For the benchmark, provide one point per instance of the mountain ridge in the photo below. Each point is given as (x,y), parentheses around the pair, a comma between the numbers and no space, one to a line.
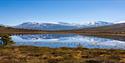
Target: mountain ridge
(59,25)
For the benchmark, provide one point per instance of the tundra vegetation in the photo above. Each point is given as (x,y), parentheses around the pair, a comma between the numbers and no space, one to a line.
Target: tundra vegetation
(32,54)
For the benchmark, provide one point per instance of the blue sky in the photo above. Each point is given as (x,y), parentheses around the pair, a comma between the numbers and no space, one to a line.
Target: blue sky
(14,12)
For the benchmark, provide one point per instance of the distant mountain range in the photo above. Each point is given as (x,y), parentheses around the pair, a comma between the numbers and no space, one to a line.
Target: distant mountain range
(60,25)
(117,27)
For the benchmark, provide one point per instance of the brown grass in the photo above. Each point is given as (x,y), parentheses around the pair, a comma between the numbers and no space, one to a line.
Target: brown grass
(30,54)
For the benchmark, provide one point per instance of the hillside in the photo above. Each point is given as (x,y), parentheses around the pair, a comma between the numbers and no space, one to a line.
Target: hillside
(110,29)
(9,30)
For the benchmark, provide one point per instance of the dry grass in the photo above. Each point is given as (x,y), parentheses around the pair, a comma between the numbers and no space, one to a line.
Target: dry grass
(30,54)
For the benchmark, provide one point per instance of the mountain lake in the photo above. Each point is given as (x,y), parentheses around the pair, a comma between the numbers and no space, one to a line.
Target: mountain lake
(67,40)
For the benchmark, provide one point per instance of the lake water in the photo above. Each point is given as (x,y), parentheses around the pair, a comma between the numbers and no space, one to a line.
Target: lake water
(67,40)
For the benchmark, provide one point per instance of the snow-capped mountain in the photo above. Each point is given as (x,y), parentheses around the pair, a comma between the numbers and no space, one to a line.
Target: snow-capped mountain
(47,26)
(60,25)
(99,23)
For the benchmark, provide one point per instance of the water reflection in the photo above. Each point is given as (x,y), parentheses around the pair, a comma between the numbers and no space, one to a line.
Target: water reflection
(1,42)
(67,40)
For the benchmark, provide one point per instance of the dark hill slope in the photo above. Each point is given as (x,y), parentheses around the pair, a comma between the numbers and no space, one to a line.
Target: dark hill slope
(9,30)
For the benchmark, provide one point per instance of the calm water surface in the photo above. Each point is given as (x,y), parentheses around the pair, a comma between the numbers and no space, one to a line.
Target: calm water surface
(67,40)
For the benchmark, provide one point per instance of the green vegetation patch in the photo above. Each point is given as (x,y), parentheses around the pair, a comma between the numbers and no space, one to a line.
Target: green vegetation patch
(6,40)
